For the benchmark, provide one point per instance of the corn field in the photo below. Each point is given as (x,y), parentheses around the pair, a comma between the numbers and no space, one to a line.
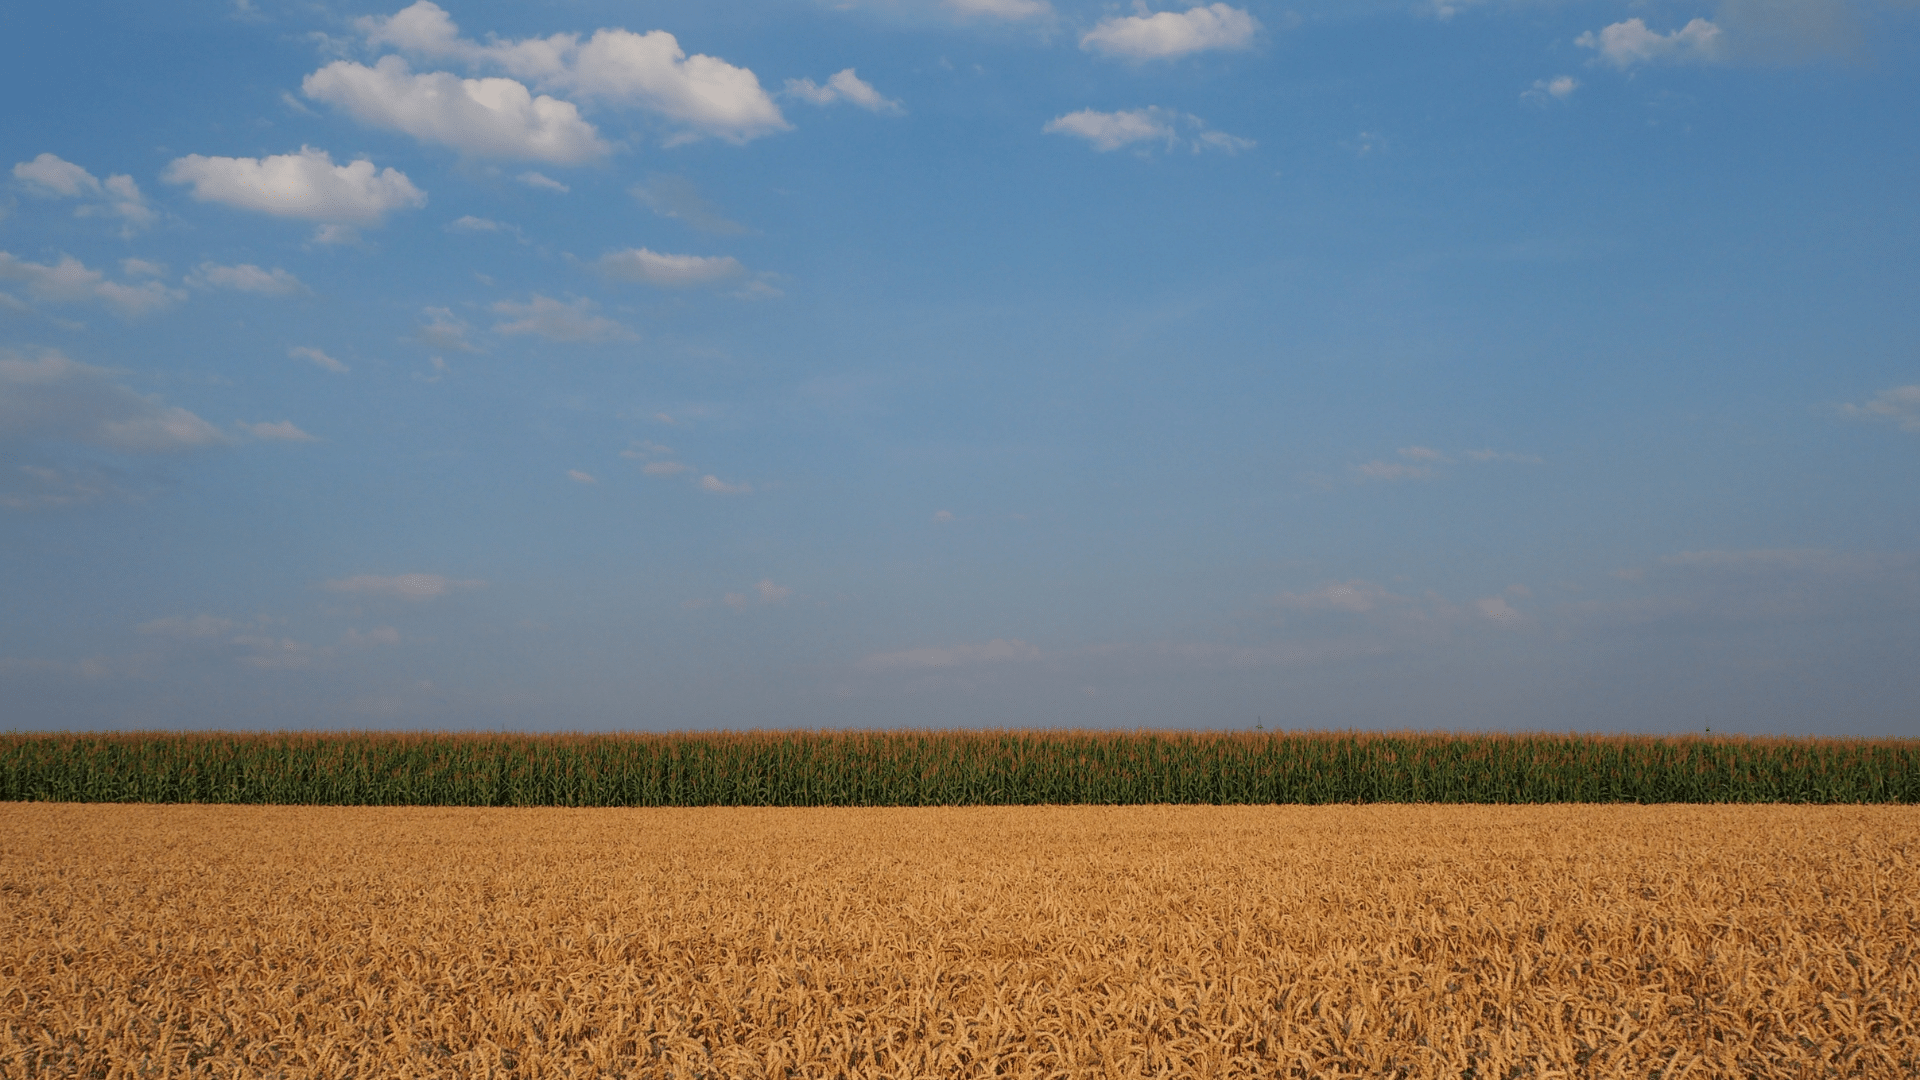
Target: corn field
(1336,941)
(953,768)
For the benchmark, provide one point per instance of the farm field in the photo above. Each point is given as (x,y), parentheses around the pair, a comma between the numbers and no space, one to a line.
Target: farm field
(1291,941)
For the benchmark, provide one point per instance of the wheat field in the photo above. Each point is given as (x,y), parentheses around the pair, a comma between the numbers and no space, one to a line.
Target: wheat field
(1332,941)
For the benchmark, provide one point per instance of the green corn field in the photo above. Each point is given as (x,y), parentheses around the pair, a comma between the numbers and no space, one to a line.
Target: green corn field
(946,768)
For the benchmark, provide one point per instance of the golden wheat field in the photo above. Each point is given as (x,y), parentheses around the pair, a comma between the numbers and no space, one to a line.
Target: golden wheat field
(1362,941)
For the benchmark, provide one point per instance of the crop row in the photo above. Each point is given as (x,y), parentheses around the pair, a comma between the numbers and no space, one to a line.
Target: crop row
(950,768)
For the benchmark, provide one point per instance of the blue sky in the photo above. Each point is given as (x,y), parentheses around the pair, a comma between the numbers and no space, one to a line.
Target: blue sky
(581,365)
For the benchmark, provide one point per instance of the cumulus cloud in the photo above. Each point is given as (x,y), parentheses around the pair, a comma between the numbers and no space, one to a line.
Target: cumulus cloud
(1112,130)
(1497,609)
(402,586)
(1011,10)
(997,651)
(1168,34)
(247,277)
(579,477)
(718,486)
(318,359)
(676,197)
(487,118)
(656,268)
(304,185)
(771,593)
(558,321)
(61,400)
(69,281)
(1558,88)
(543,182)
(1625,44)
(844,86)
(283,431)
(1899,406)
(443,330)
(704,95)
(54,177)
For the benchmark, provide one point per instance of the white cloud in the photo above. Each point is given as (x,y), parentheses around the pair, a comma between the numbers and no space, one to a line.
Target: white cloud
(997,651)
(1393,470)
(845,86)
(1112,130)
(489,118)
(646,449)
(771,593)
(1011,10)
(705,94)
(1422,453)
(35,487)
(1354,596)
(543,182)
(1558,88)
(142,268)
(403,586)
(62,400)
(579,477)
(718,486)
(54,177)
(1899,406)
(1169,34)
(443,329)
(318,358)
(284,431)
(1221,141)
(247,277)
(1497,609)
(378,636)
(470,224)
(557,321)
(304,185)
(943,515)
(656,268)
(1625,44)
(676,197)
(57,177)
(274,654)
(69,281)
(198,627)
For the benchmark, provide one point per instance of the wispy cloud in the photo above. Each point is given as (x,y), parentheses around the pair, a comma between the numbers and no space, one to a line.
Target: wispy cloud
(996,651)
(1143,128)
(401,586)
(555,320)
(1899,406)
